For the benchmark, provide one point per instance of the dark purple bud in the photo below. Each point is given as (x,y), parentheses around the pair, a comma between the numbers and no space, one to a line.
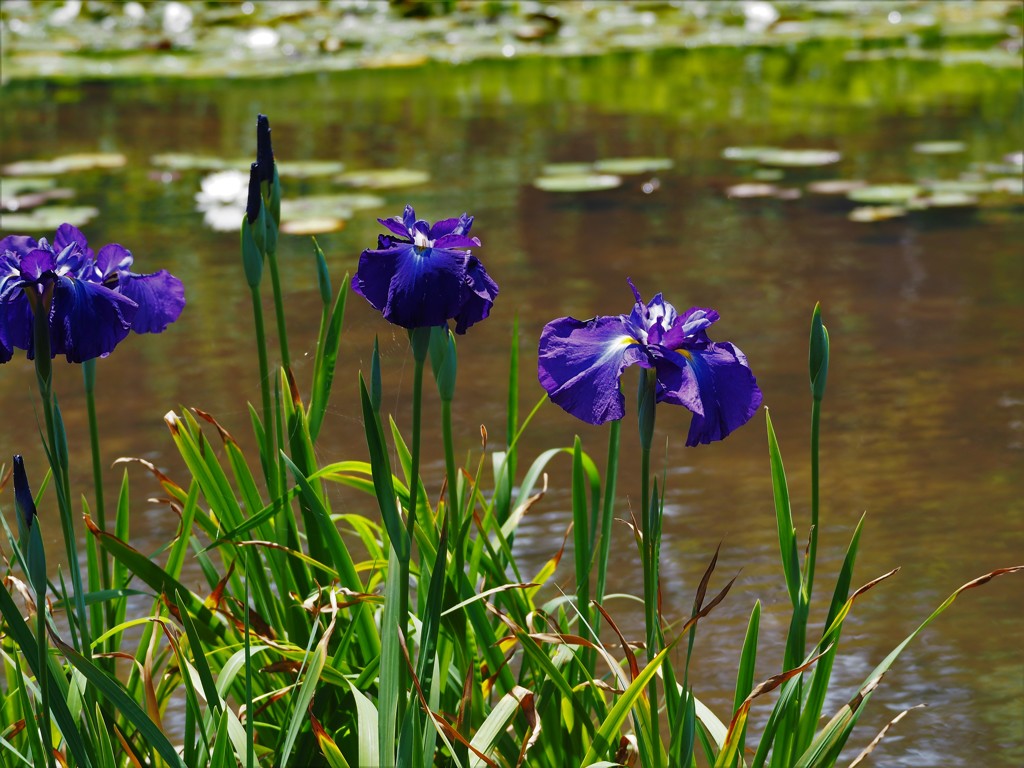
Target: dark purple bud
(252,205)
(264,150)
(22,493)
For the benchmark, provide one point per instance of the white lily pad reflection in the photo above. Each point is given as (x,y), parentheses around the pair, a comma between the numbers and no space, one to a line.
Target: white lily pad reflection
(583,182)
(221,199)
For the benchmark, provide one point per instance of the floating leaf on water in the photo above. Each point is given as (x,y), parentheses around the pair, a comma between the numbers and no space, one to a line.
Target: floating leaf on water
(180,161)
(384,178)
(768,174)
(1010,185)
(328,206)
(566,169)
(29,200)
(939,147)
(745,153)
(628,166)
(11,186)
(958,186)
(49,217)
(86,161)
(1015,158)
(583,182)
(316,226)
(750,190)
(799,158)
(65,164)
(944,200)
(885,194)
(835,186)
(306,169)
(870,213)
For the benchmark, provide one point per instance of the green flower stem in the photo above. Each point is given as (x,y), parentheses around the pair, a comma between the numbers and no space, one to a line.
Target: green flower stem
(269,452)
(607,511)
(648,554)
(454,511)
(420,340)
(58,455)
(89,378)
(282,331)
(812,550)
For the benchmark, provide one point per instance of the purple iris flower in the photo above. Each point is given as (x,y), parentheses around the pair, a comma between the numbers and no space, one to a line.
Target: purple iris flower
(420,276)
(581,363)
(92,300)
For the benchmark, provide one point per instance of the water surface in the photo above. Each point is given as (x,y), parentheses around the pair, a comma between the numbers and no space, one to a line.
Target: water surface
(924,415)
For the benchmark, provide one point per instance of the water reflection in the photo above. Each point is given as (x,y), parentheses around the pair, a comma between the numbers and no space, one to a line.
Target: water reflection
(923,413)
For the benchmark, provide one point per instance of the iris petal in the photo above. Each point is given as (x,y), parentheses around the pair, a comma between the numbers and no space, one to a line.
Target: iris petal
(113,258)
(413,288)
(719,379)
(19,244)
(580,364)
(160,296)
(87,319)
(68,234)
(478,296)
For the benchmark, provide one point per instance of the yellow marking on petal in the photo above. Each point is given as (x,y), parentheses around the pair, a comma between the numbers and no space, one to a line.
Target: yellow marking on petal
(684,353)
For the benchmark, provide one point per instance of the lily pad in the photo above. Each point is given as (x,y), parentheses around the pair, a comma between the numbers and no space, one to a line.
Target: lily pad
(583,182)
(27,200)
(885,194)
(869,213)
(307,169)
(749,190)
(49,217)
(11,186)
(745,153)
(628,166)
(566,169)
(66,164)
(835,186)
(384,178)
(312,226)
(945,200)
(1010,185)
(768,174)
(958,186)
(178,161)
(939,147)
(799,158)
(328,206)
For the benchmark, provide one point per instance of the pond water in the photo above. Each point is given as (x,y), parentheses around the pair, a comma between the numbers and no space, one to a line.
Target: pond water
(924,415)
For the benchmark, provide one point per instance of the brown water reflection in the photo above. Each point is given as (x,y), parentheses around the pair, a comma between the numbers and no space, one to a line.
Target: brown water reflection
(924,416)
